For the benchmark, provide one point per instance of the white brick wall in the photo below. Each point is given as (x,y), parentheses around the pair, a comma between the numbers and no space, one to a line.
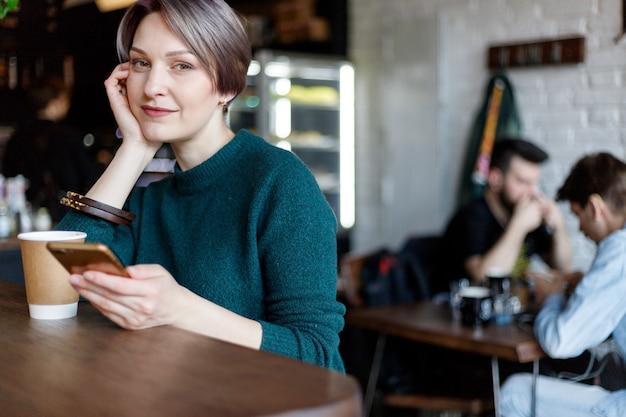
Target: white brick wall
(570,110)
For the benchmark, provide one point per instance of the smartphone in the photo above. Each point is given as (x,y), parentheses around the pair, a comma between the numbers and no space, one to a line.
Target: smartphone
(78,257)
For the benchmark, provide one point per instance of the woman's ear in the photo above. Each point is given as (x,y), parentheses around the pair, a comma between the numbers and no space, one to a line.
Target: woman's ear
(596,205)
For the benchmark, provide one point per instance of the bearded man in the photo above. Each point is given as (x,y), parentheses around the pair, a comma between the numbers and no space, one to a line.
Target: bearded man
(511,222)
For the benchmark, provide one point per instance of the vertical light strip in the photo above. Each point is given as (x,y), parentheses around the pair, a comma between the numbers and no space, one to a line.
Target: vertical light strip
(282,117)
(346,146)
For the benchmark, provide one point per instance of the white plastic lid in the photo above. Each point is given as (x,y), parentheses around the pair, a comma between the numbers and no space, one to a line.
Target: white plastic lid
(474,292)
(52,235)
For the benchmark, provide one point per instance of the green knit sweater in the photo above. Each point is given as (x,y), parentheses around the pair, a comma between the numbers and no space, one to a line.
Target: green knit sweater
(249,230)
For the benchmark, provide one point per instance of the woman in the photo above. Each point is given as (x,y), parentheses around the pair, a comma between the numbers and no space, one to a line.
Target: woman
(595,310)
(239,243)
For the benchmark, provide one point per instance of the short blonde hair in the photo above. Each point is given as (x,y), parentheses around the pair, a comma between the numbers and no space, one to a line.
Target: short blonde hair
(210,29)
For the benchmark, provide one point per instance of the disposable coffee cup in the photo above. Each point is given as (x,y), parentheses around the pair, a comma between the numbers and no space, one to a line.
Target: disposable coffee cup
(475,305)
(48,291)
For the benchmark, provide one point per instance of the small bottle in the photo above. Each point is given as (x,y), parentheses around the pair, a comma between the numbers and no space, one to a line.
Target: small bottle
(5,213)
(26,219)
(42,220)
(5,221)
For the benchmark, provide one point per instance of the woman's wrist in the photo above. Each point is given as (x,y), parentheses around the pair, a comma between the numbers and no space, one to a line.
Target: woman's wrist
(116,183)
(97,209)
(140,150)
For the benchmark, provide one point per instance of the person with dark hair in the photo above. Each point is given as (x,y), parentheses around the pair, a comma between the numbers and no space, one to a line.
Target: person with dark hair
(506,149)
(239,243)
(591,312)
(47,152)
(512,220)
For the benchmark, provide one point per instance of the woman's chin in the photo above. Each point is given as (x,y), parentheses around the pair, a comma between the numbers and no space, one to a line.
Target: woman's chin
(153,136)
(154,139)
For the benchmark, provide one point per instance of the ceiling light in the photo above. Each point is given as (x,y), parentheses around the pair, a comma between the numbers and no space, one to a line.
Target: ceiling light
(109,5)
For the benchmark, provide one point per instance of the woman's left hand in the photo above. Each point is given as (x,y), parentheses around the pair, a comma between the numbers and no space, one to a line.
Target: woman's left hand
(148,299)
(545,284)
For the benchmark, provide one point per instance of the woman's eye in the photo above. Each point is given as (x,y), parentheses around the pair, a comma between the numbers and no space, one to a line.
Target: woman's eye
(139,63)
(183,66)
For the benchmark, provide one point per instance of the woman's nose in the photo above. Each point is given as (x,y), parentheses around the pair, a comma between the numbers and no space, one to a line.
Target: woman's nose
(156,83)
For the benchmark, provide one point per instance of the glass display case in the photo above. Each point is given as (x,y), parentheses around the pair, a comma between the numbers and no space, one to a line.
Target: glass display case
(305,104)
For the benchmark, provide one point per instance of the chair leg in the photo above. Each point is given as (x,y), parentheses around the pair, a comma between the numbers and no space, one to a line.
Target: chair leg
(372,381)
(495,376)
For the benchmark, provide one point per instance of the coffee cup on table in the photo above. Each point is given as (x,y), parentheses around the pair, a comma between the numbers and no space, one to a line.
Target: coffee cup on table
(48,291)
(499,281)
(475,305)
(504,303)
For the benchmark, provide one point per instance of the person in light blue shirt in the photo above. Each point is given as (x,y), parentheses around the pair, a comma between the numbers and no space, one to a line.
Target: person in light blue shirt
(594,311)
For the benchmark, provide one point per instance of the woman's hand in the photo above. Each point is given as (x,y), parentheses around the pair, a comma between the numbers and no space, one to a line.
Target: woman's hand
(554,281)
(545,284)
(572,279)
(149,298)
(118,99)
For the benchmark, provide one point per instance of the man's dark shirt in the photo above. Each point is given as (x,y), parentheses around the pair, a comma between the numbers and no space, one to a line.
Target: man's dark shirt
(473,231)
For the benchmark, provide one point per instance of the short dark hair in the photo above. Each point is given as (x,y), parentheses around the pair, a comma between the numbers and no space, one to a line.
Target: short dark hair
(506,148)
(599,173)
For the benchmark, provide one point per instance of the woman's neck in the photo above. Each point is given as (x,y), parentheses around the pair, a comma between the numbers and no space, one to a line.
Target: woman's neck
(193,152)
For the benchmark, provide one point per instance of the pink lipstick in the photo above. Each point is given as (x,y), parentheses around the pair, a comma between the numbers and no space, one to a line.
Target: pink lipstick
(156,111)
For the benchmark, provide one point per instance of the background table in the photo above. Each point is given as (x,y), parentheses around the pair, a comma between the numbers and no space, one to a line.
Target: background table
(427,322)
(87,366)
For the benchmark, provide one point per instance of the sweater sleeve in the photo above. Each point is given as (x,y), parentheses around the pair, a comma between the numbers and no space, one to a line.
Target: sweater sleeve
(118,237)
(297,246)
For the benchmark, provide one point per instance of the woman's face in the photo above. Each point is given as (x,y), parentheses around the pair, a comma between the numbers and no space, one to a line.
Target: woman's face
(587,223)
(169,91)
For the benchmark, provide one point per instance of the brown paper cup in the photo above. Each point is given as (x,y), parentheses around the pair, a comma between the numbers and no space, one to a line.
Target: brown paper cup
(48,291)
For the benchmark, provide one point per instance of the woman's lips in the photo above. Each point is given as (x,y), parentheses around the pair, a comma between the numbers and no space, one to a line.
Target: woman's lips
(156,111)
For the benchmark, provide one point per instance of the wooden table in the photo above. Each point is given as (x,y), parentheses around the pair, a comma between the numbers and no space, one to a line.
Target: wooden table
(9,243)
(88,366)
(427,322)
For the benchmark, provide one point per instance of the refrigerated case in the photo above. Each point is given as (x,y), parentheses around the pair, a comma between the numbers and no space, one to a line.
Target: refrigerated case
(305,104)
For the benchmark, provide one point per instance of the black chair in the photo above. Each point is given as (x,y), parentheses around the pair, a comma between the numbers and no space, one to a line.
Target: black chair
(420,256)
